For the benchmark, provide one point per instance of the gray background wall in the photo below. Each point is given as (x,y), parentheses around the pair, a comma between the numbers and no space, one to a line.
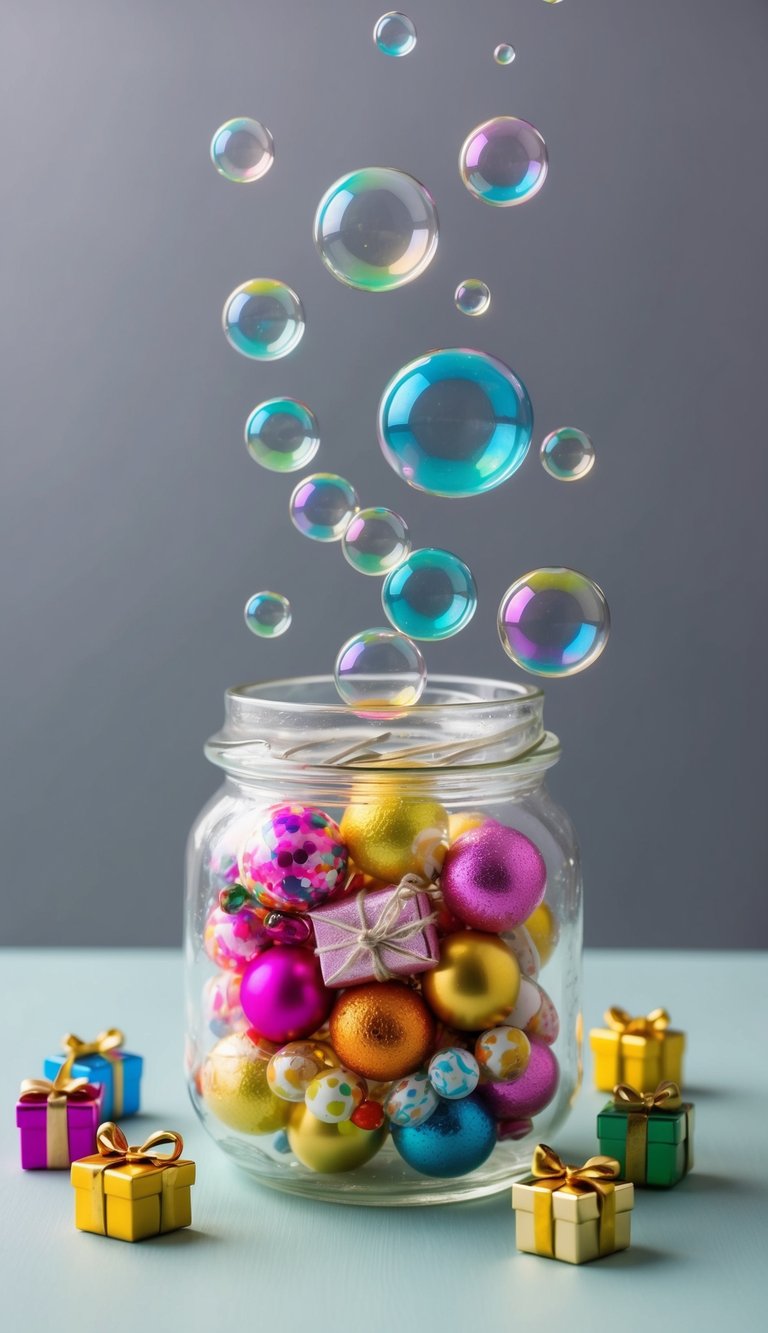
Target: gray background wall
(629,295)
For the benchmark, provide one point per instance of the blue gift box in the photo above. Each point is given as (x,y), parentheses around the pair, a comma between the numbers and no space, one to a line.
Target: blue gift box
(119,1072)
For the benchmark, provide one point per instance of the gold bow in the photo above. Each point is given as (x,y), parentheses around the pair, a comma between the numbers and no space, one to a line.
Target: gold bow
(597,1175)
(56,1093)
(114,1148)
(639,1105)
(105,1044)
(654,1024)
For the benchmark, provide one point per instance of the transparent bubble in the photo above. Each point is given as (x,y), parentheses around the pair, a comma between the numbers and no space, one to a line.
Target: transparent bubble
(430,595)
(263,319)
(242,150)
(268,614)
(472,297)
(504,161)
(567,454)
(376,541)
(380,667)
(554,622)
(322,505)
(395,34)
(455,422)
(504,54)
(282,435)
(376,229)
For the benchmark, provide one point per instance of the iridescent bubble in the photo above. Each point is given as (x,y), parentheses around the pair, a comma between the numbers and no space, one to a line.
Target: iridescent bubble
(263,319)
(504,54)
(504,161)
(282,435)
(567,454)
(322,505)
(455,422)
(430,595)
(472,297)
(380,667)
(554,622)
(376,541)
(268,614)
(242,150)
(376,229)
(395,34)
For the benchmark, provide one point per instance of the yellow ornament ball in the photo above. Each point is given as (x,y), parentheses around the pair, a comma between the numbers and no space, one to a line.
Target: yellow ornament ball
(330,1148)
(396,836)
(463,821)
(233,1082)
(476,982)
(543,928)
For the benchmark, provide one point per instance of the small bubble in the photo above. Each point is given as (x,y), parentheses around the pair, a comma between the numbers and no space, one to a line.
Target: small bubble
(376,229)
(395,34)
(322,505)
(430,595)
(282,435)
(268,614)
(263,319)
(504,54)
(380,668)
(504,161)
(242,150)
(554,622)
(567,454)
(375,541)
(472,297)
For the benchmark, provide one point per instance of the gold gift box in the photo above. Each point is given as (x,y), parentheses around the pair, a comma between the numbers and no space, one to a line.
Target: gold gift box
(641,1051)
(131,1193)
(575,1220)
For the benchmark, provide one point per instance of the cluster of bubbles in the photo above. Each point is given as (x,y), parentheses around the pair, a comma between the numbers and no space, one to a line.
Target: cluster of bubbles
(454,422)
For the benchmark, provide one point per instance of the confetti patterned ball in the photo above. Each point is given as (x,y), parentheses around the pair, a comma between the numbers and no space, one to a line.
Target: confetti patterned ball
(457,1138)
(263,319)
(293,1067)
(391,837)
(222,1010)
(412,1100)
(234,1085)
(546,1022)
(504,161)
(294,858)
(382,1030)
(334,1095)
(512,1099)
(454,1073)
(232,941)
(503,1052)
(524,949)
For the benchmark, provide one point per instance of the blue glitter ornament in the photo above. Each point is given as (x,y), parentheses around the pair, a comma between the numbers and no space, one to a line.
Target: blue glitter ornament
(430,595)
(457,1138)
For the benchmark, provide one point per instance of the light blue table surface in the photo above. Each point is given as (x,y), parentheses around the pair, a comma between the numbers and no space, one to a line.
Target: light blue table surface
(259,1261)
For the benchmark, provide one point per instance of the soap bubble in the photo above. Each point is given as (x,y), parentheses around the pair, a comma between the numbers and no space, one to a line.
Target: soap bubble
(455,422)
(380,667)
(282,434)
(430,595)
(375,541)
(504,54)
(395,34)
(263,319)
(242,150)
(504,161)
(376,229)
(554,622)
(322,505)
(268,614)
(567,454)
(472,297)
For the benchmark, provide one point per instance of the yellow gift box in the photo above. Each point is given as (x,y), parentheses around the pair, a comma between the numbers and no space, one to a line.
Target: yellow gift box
(642,1051)
(572,1213)
(133,1193)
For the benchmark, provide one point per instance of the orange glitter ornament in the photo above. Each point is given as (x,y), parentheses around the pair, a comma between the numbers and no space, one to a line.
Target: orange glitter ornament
(382,1030)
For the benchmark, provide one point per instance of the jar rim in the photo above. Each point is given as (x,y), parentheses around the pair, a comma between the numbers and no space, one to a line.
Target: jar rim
(505,691)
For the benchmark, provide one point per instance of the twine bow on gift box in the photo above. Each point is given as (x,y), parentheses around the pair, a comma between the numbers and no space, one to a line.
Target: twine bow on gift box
(385,933)
(113,1146)
(597,1176)
(639,1106)
(106,1044)
(653,1025)
(57,1093)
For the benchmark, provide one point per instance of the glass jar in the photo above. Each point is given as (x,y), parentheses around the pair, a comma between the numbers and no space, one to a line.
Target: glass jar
(401,896)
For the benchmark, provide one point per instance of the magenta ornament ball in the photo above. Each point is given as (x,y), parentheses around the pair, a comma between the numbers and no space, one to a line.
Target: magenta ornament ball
(516,1099)
(282,994)
(493,878)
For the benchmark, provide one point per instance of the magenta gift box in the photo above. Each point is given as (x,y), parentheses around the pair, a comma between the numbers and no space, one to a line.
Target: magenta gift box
(386,928)
(83,1117)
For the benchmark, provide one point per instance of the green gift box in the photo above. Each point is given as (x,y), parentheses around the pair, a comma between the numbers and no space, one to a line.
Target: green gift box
(650,1134)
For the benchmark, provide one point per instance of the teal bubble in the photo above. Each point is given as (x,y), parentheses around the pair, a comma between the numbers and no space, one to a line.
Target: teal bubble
(242,150)
(263,319)
(431,595)
(455,422)
(268,614)
(554,622)
(375,541)
(282,435)
(380,667)
(504,161)
(472,297)
(504,54)
(376,229)
(394,34)
(322,505)
(567,454)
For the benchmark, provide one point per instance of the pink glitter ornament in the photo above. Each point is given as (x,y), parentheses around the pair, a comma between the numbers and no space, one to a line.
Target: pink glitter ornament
(283,995)
(493,878)
(232,941)
(294,858)
(531,1092)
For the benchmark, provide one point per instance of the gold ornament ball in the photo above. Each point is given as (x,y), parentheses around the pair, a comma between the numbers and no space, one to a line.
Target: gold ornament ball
(475,984)
(395,836)
(234,1085)
(543,928)
(382,1030)
(464,821)
(329,1148)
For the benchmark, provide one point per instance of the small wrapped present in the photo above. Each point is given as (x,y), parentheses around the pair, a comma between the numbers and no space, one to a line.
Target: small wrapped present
(649,1133)
(642,1051)
(102,1061)
(57,1119)
(133,1193)
(377,935)
(572,1213)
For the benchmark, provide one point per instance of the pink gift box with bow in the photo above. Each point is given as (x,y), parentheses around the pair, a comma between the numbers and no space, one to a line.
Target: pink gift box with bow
(373,936)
